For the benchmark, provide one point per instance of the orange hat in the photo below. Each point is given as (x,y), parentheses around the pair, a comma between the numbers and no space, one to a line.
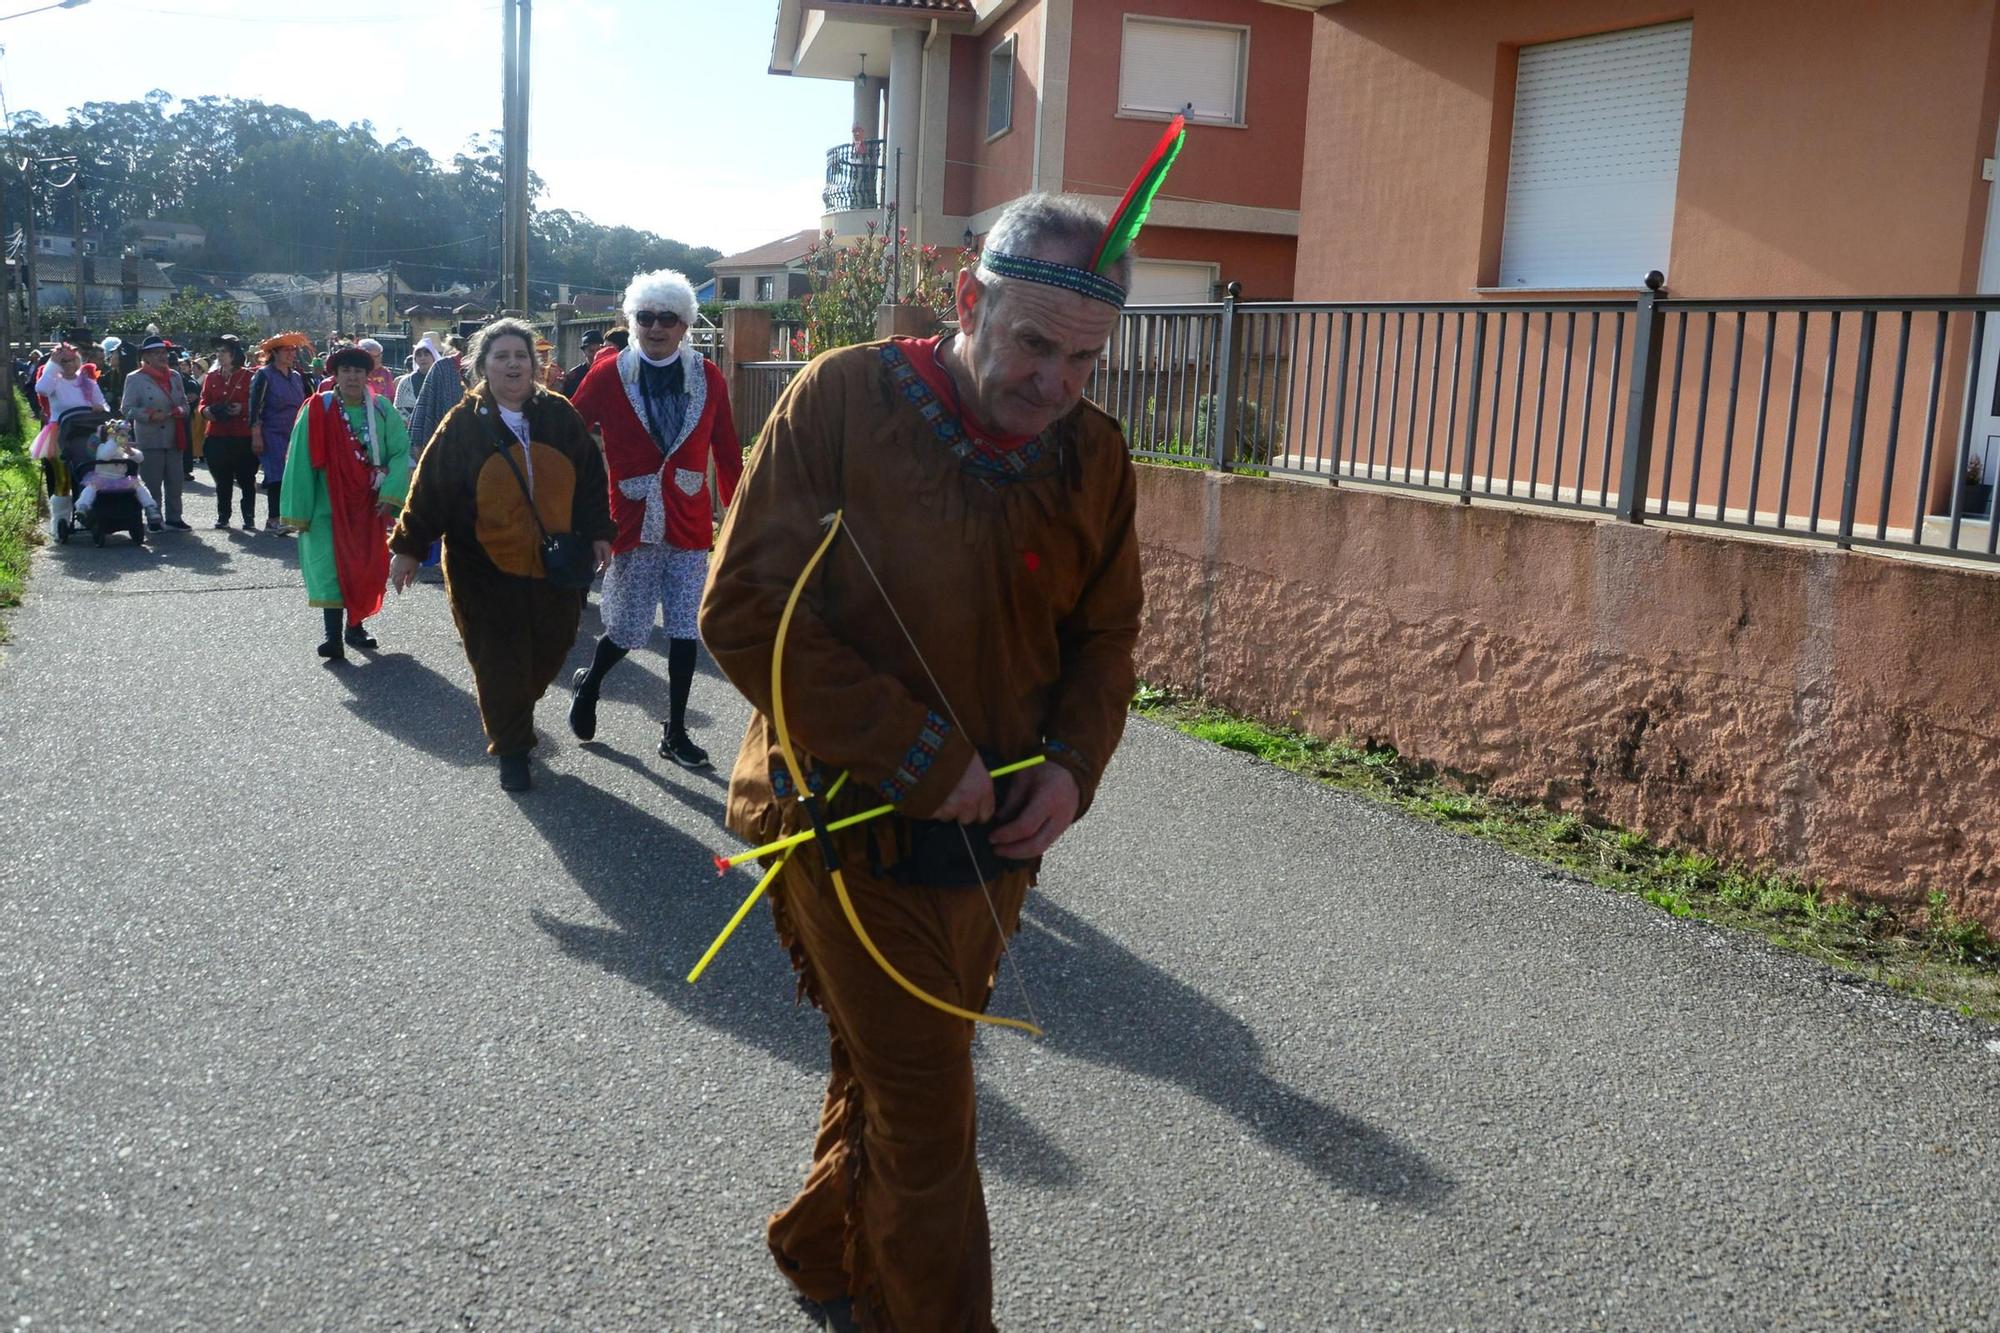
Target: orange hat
(283,340)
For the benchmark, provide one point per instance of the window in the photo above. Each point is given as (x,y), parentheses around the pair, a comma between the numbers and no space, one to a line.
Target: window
(1167,65)
(732,289)
(1171,282)
(1000,90)
(767,289)
(1596,155)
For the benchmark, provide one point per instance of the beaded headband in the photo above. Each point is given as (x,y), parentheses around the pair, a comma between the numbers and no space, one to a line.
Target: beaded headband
(1051,274)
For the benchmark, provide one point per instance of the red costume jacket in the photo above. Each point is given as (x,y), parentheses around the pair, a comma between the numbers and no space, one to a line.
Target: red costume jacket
(656,497)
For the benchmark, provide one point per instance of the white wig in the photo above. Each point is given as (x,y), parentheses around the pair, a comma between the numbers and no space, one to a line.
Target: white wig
(662,289)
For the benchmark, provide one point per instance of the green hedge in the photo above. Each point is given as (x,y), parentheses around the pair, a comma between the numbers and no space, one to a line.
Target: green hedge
(20,505)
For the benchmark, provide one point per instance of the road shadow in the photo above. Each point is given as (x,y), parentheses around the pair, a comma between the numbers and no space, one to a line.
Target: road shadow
(195,552)
(711,808)
(658,888)
(1104,1004)
(409,702)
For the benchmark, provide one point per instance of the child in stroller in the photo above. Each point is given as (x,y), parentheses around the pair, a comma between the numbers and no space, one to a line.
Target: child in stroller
(109,493)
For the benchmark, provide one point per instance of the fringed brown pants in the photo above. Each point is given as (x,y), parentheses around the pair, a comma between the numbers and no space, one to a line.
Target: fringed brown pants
(892,1212)
(517,633)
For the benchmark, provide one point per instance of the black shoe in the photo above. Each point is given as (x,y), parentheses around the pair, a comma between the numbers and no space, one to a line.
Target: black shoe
(514,775)
(152,525)
(177,525)
(833,1316)
(222,525)
(679,747)
(359,637)
(582,708)
(332,651)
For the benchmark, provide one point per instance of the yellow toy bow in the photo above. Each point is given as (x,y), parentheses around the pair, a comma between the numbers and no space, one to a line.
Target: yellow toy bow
(822,833)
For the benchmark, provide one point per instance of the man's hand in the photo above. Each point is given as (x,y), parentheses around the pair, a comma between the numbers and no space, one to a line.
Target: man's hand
(402,572)
(971,800)
(1040,808)
(602,550)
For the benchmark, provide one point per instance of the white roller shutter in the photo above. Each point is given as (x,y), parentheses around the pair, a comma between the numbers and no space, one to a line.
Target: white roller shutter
(1166,65)
(1596,155)
(1171,282)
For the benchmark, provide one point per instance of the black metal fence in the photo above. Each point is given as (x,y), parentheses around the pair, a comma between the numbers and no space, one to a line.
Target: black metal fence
(853,176)
(755,391)
(1856,421)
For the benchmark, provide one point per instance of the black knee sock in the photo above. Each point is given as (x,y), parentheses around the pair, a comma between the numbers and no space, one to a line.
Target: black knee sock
(680,679)
(331,617)
(608,655)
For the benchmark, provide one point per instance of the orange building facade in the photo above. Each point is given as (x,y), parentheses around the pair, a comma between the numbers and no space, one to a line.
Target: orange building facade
(1796,149)
(1000,98)
(1829,147)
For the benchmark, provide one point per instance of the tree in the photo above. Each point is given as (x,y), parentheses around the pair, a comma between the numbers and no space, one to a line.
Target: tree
(850,282)
(188,319)
(278,191)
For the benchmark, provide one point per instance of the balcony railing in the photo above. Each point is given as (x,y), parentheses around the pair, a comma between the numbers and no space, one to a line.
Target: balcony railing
(853,176)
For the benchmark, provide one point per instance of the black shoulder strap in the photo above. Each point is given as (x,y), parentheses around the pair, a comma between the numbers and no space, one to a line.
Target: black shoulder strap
(528,495)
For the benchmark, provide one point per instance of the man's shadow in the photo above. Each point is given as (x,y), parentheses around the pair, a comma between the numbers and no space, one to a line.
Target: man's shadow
(659,889)
(1106,1005)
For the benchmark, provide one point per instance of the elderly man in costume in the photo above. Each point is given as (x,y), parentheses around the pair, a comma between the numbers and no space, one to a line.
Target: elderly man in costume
(346,472)
(931,569)
(662,410)
(155,402)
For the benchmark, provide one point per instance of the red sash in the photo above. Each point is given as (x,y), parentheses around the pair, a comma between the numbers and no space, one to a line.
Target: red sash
(360,541)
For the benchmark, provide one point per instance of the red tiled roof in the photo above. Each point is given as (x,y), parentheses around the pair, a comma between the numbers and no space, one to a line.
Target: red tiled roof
(777,252)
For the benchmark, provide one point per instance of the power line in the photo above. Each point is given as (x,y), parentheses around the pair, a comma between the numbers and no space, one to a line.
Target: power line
(235,16)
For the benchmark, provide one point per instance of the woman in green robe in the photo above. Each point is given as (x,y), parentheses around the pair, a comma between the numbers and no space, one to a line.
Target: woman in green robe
(346,473)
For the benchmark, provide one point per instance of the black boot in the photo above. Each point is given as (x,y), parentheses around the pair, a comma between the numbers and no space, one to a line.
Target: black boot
(359,637)
(330,648)
(514,773)
(675,743)
(585,682)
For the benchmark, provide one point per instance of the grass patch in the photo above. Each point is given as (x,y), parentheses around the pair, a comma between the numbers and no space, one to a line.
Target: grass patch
(1932,954)
(20,508)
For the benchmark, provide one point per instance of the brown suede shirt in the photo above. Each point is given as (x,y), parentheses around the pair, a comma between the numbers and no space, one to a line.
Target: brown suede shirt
(1018,576)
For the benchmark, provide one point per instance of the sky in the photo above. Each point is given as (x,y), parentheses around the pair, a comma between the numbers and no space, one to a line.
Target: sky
(649,113)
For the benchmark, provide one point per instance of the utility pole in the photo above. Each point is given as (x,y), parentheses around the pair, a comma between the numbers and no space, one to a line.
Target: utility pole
(389,298)
(339,276)
(7,271)
(76,226)
(31,262)
(516,30)
(6,316)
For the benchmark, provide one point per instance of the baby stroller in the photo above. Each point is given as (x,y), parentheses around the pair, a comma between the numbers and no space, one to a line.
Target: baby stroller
(81,430)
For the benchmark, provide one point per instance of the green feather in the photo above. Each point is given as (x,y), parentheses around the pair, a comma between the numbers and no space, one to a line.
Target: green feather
(1130,216)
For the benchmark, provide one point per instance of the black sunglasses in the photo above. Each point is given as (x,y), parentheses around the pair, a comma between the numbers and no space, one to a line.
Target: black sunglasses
(666,319)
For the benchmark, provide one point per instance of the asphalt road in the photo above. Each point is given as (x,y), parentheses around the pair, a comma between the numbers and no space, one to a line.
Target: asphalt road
(304,1024)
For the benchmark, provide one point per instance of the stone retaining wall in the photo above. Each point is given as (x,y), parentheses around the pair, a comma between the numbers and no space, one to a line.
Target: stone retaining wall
(1835,714)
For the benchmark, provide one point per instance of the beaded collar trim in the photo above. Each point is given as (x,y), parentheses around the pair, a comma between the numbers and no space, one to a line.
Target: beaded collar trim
(1010,465)
(1046,271)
